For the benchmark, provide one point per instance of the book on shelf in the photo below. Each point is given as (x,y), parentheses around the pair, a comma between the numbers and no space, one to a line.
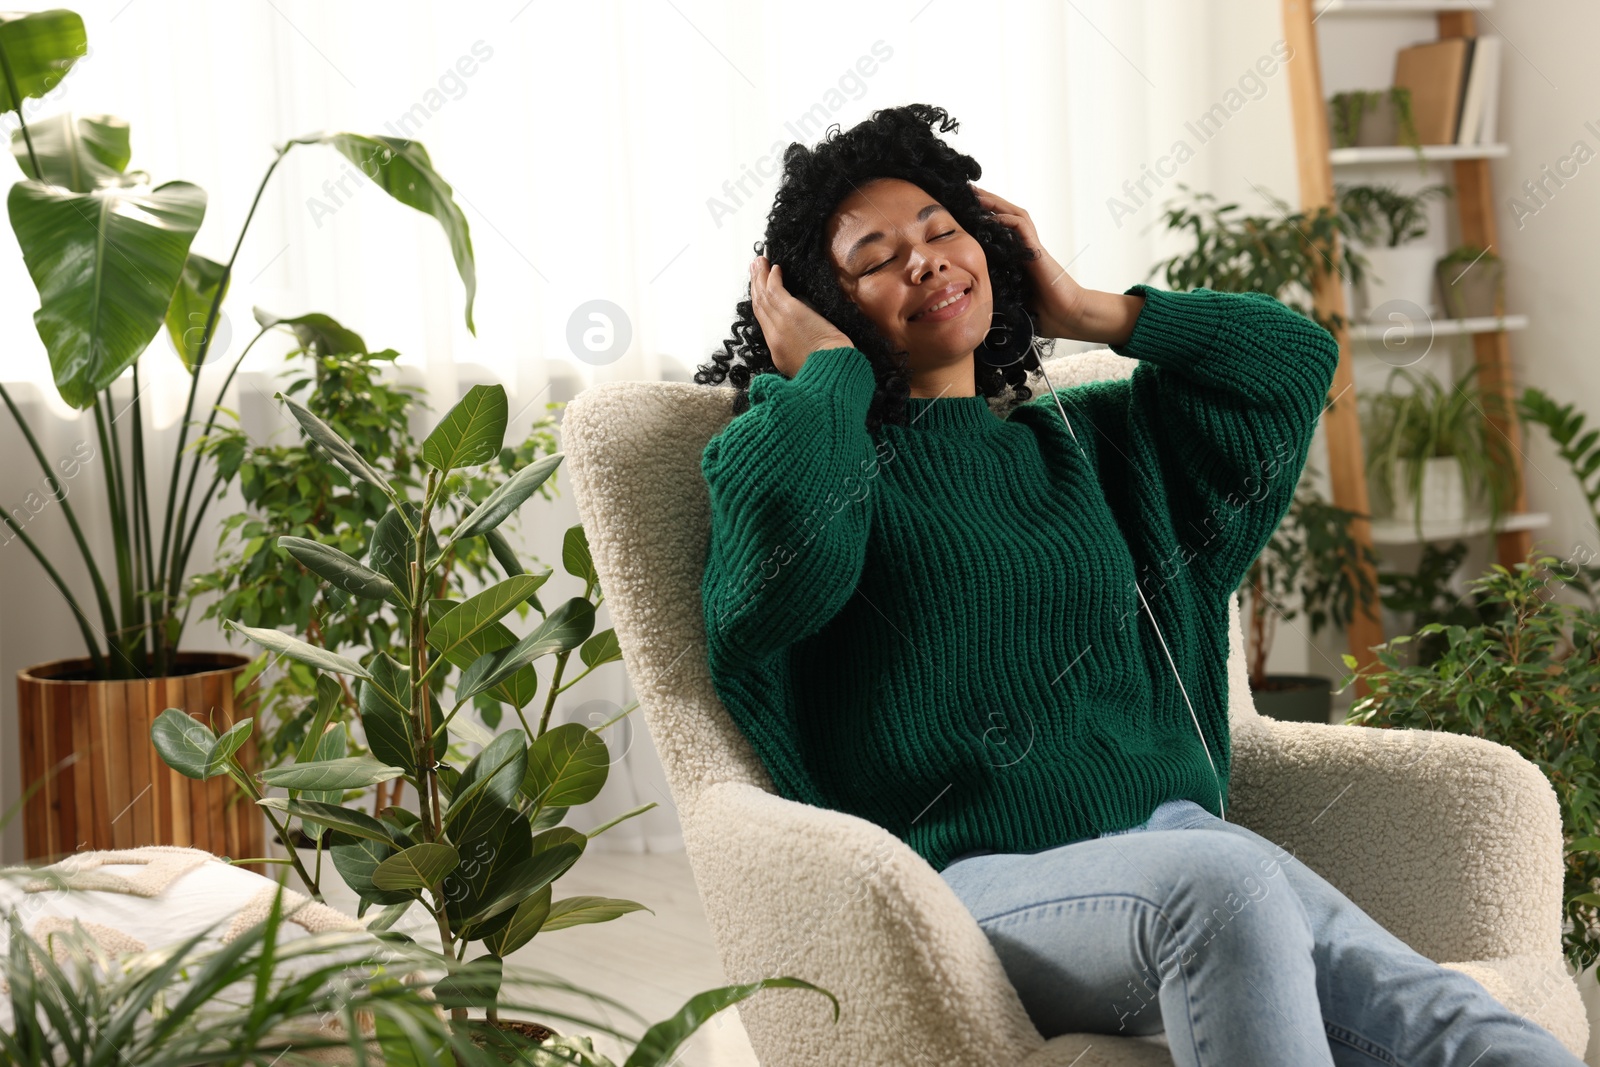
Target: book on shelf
(1455,88)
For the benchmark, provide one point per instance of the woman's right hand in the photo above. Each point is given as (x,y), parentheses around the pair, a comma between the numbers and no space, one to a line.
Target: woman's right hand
(793,330)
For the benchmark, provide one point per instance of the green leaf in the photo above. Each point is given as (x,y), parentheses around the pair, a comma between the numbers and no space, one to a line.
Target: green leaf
(576,911)
(471,432)
(386,714)
(660,1043)
(507,497)
(394,545)
(39,47)
(345,820)
(317,333)
(474,985)
(488,786)
(336,446)
(601,648)
(520,688)
(106,264)
(229,743)
(337,568)
(525,923)
(403,170)
(332,745)
(191,307)
(299,650)
(357,861)
(475,613)
(350,772)
(418,867)
(567,765)
(524,880)
(1584,844)
(498,842)
(184,743)
(575,555)
(562,629)
(330,694)
(80,156)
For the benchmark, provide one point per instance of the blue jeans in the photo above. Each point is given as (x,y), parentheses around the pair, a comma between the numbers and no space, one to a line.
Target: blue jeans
(1241,953)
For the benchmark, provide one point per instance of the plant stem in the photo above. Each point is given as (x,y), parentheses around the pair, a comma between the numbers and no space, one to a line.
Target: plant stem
(555,683)
(238,774)
(61,587)
(421,702)
(11,86)
(194,387)
(145,562)
(117,639)
(174,577)
(108,615)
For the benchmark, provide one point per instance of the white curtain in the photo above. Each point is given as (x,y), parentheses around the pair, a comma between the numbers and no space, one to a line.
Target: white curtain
(615,161)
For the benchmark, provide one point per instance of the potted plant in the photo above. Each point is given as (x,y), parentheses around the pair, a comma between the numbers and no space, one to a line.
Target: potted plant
(1428,453)
(111,259)
(1529,678)
(1472,283)
(477,842)
(292,489)
(1281,254)
(1313,560)
(1388,222)
(1372,118)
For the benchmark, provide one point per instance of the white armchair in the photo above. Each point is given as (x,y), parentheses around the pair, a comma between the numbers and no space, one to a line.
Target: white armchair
(1453,843)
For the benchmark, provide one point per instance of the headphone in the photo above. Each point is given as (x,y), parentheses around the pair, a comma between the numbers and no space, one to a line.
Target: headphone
(995,358)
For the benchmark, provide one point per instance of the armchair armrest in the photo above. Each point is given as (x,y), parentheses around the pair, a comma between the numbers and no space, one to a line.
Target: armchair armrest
(793,889)
(1452,842)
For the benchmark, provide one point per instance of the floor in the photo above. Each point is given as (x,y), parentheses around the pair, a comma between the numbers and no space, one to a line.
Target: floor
(651,963)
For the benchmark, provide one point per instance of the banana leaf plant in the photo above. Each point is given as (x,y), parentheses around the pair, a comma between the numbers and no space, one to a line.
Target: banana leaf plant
(480,844)
(111,258)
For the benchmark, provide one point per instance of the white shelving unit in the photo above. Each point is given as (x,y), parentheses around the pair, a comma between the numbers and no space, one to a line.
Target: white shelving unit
(1431,153)
(1404,531)
(1376,332)
(1395,7)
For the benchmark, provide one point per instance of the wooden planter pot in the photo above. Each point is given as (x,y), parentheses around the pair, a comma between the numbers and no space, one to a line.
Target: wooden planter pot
(116,792)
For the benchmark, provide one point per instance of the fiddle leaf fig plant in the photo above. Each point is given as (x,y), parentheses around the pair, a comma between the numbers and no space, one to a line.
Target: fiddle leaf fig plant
(478,842)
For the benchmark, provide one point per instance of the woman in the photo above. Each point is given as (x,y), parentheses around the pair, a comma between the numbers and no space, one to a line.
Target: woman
(1005,639)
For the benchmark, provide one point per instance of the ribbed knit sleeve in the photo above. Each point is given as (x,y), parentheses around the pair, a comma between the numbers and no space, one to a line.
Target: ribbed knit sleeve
(789,527)
(1227,396)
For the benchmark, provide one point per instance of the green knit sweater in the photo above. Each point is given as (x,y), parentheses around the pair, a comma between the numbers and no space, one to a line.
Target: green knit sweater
(935,626)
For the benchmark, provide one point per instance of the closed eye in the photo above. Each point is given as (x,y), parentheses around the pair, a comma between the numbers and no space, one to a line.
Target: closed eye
(891,259)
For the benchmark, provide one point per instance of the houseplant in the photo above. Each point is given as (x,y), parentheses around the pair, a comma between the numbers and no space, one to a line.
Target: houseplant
(111,259)
(1472,283)
(345,997)
(1530,679)
(1428,453)
(1427,598)
(478,845)
(291,489)
(1278,254)
(1311,559)
(1373,118)
(1388,223)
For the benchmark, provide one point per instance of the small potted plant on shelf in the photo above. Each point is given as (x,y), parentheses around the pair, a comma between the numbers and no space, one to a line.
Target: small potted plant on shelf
(1313,559)
(1472,283)
(1527,677)
(1429,454)
(1425,596)
(1388,223)
(110,258)
(1374,118)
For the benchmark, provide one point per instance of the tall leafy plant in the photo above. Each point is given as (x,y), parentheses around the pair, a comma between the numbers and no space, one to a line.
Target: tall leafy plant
(111,259)
(478,845)
(292,489)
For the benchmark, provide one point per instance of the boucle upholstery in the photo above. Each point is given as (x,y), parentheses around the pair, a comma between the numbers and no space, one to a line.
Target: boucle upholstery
(1453,843)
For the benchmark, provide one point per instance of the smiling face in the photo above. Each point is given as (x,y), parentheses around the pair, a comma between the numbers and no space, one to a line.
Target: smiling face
(898,254)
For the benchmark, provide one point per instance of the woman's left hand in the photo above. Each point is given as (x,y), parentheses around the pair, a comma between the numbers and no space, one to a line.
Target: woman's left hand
(1061,307)
(1058,303)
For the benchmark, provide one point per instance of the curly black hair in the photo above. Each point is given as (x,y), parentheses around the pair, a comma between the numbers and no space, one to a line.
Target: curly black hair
(895,142)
